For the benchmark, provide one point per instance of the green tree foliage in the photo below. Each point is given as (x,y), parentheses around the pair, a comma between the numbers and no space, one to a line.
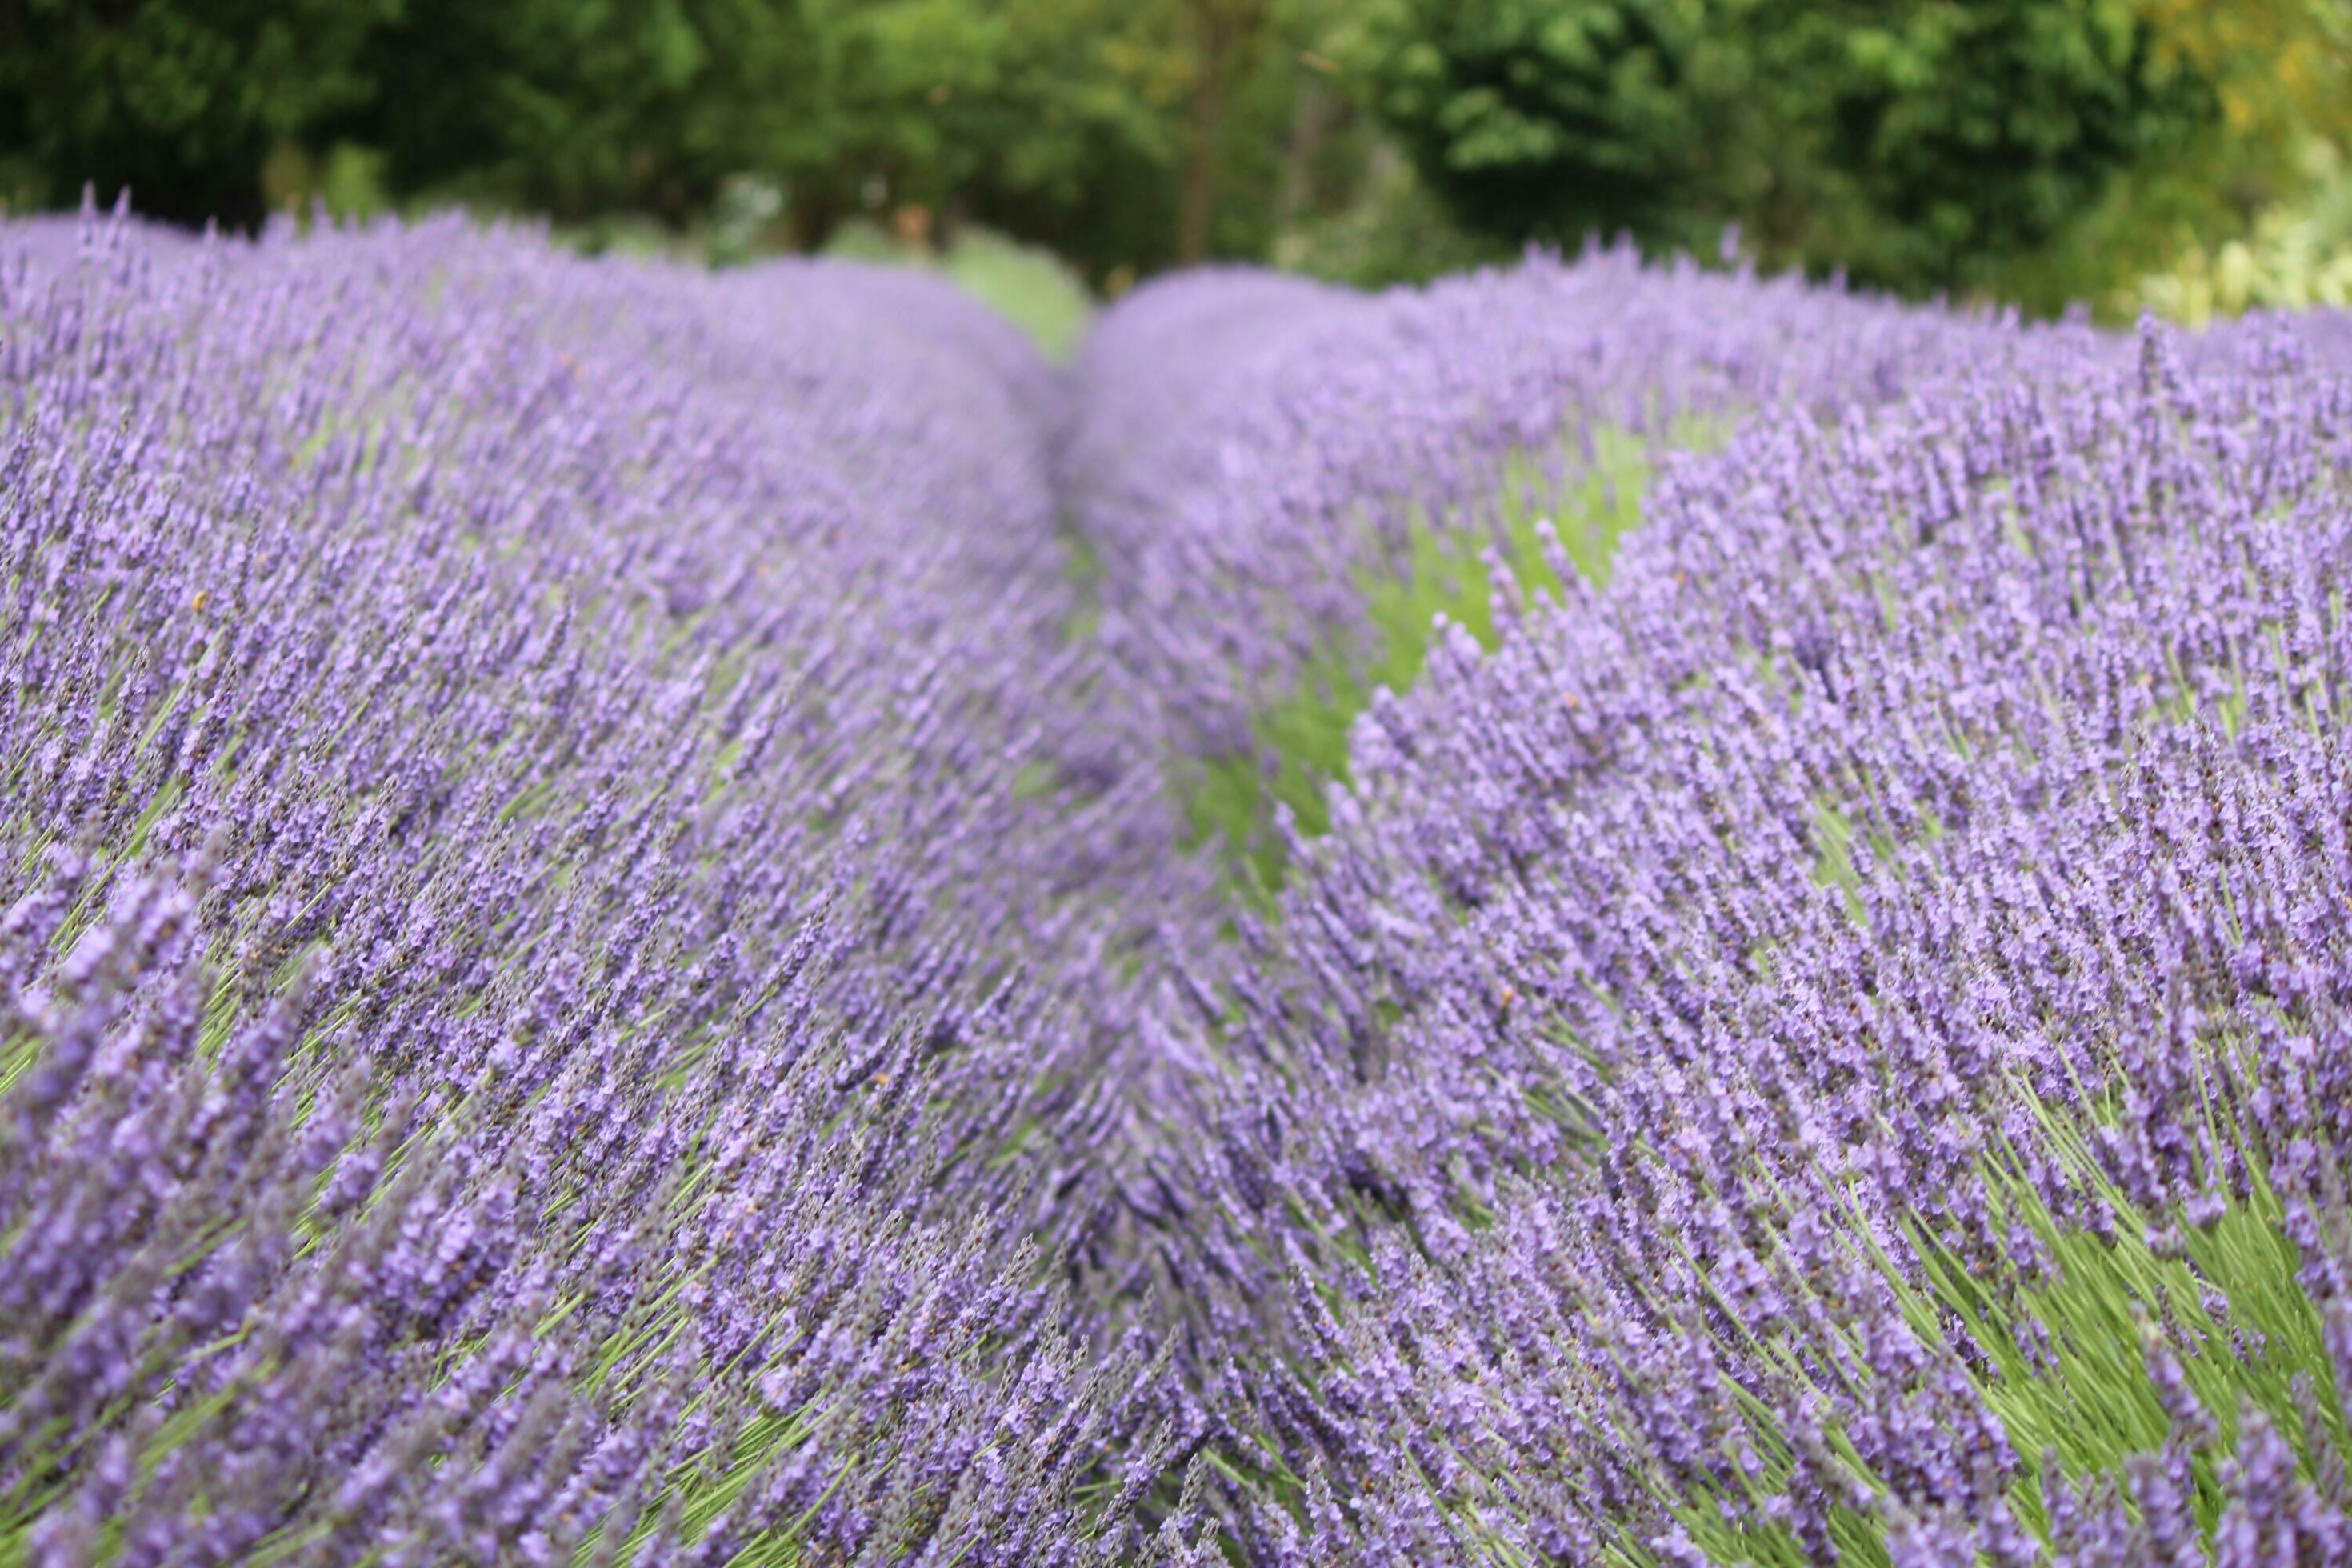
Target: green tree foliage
(1975,131)
(181,101)
(2284,71)
(577,107)
(1058,120)
(1550,117)
(1916,142)
(1119,131)
(581,106)
(1063,121)
(2037,149)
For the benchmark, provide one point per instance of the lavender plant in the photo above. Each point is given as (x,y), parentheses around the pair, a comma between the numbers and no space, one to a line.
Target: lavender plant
(1257,458)
(1825,1050)
(511,1052)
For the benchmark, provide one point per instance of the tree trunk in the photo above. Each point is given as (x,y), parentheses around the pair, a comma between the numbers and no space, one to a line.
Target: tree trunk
(1197,192)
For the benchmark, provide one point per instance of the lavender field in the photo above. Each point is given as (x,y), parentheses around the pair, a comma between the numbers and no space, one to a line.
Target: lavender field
(1603,913)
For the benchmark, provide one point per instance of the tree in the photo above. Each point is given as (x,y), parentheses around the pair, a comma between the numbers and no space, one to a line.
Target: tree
(181,101)
(1224,35)
(579,108)
(1915,141)
(1126,133)
(1060,114)
(1550,120)
(1975,131)
(1057,115)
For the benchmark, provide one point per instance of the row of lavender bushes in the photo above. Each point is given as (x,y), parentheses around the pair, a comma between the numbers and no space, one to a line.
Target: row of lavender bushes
(606,960)
(552,999)
(1831,1046)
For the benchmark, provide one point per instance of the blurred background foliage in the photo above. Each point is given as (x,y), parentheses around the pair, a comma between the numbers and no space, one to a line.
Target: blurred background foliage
(2186,155)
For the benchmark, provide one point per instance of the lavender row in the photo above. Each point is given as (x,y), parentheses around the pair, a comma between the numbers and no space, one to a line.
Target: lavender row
(1250,451)
(1834,1046)
(552,999)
